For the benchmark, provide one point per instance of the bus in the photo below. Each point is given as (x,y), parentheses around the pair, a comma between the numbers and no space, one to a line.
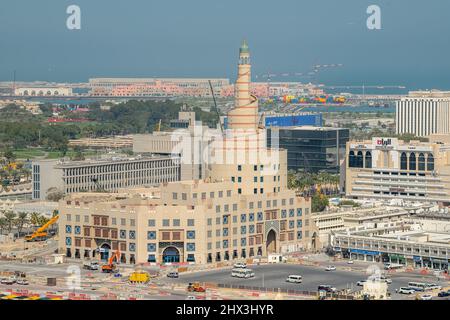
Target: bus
(421,286)
(393,266)
(242,273)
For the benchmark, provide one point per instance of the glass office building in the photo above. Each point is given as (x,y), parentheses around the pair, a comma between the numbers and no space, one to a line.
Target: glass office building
(311,149)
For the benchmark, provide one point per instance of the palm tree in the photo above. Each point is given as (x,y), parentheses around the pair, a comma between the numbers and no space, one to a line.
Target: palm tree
(3,224)
(9,216)
(21,220)
(34,219)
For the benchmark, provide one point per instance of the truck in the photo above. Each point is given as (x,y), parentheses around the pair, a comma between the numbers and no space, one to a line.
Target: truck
(195,287)
(276,258)
(139,276)
(392,266)
(41,233)
(91,265)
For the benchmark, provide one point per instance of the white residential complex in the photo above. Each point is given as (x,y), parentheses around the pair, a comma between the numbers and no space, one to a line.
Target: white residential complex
(388,168)
(423,113)
(107,174)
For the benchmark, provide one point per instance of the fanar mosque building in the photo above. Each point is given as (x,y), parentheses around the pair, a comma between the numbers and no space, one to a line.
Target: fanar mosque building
(241,210)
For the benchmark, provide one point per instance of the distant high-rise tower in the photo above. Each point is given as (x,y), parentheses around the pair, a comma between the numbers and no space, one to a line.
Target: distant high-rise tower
(245,113)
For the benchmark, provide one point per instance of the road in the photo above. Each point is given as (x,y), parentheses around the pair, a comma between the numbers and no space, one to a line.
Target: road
(268,276)
(274,276)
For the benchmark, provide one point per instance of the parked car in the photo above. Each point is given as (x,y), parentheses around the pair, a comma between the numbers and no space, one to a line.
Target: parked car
(91,265)
(240,265)
(426,297)
(326,288)
(190,298)
(172,275)
(387,280)
(294,279)
(361,283)
(8,281)
(444,293)
(330,268)
(350,262)
(22,282)
(406,290)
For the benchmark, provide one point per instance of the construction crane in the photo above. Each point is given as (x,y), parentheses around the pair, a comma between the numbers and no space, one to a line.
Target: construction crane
(215,105)
(41,233)
(111,266)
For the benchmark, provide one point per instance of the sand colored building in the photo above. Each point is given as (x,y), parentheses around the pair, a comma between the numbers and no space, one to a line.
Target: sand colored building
(241,209)
(388,168)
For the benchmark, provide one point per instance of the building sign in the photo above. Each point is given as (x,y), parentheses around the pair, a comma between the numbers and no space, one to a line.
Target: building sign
(371,253)
(385,143)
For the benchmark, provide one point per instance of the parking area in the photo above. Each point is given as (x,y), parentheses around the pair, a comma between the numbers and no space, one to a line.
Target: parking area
(274,276)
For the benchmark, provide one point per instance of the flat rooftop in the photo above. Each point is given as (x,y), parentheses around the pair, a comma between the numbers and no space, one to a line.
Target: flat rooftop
(312,128)
(108,159)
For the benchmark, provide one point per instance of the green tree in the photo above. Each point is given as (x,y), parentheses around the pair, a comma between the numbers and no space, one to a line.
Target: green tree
(22,218)
(34,219)
(9,216)
(3,224)
(319,202)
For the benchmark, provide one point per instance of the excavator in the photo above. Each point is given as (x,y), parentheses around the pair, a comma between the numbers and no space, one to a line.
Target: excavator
(111,267)
(41,233)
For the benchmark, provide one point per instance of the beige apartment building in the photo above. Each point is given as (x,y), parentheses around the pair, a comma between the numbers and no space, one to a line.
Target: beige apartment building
(388,168)
(241,209)
(188,221)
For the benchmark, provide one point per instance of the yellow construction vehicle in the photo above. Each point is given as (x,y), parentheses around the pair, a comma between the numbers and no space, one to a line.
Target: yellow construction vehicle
(139,276)
(41,233)
(195,287)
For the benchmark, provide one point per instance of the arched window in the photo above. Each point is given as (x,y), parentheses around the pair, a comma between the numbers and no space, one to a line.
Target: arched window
(359,160)
(368,159)
(351,159)
(403,161)
(412,161)
(421,162)
(430,162)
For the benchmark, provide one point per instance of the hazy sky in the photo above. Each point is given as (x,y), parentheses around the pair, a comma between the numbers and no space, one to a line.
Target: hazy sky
(200,38)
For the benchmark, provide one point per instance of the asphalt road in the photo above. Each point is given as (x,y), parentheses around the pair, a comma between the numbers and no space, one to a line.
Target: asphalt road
(269,276)
(274,276)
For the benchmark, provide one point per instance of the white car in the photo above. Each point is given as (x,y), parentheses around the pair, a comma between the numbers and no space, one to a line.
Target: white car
(387,280)
(9,281)
(406,290)
(426,297)
(22,282)
(350,262)
(330,268)
(190,298)
(361,283)
(294,279)
(240,265)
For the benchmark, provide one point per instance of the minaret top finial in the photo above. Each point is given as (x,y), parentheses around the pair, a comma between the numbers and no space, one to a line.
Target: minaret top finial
(244,47)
